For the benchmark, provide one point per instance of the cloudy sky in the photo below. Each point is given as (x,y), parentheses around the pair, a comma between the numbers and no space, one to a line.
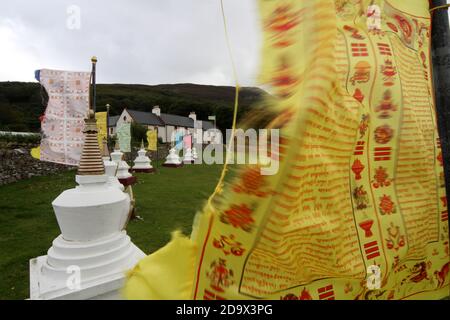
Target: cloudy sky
(136,41)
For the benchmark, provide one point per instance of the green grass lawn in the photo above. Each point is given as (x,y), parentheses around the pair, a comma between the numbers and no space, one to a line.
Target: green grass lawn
(166,200)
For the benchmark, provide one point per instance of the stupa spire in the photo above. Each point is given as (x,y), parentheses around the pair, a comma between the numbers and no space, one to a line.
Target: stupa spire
(91,162)
(105,151)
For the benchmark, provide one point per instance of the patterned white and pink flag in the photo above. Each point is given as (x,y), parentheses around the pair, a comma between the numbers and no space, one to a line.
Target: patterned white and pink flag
(63,122)
(187,141)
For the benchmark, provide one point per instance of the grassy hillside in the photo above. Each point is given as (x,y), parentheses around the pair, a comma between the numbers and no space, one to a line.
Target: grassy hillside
(22,103)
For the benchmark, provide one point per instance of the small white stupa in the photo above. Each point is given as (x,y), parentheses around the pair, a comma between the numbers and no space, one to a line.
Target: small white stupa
(110,167)
(123,170)
(90,257)
(172,160)
(188,156)
(142,163)
(122,166)
(116,155)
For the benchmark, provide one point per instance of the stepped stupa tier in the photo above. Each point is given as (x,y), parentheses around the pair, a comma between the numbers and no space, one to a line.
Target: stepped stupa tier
(105,152)
(91,162)
(90,257)
(173,160)
(142,163)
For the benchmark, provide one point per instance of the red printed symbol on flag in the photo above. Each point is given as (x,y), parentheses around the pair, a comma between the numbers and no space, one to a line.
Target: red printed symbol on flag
(444,201)
(326,293)
(371,249)
(359,50)
(444,215)
(359,150)
(382,153)
(208,295)
(384,48)
(355,32)
(440,159)
(366,225)
(358,95)
(357,168)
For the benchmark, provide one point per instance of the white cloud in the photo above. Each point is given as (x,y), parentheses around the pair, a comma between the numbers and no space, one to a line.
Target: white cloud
(139,41)
(14,54)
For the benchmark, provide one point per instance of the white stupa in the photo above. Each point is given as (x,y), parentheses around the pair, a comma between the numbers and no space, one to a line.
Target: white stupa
(142,163)
(90,257)
(172,160)
(110,167)
(123,170)
(188,156)
(116,155)
(122,166)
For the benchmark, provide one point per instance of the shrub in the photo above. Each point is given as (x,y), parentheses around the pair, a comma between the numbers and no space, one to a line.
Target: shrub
(20,139)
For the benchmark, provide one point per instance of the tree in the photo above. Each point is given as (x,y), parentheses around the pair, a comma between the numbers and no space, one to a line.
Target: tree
(138,133)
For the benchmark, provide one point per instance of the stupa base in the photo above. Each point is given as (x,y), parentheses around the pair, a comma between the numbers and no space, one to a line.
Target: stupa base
(149,170)
(103,287)
(128,181)
(172,165)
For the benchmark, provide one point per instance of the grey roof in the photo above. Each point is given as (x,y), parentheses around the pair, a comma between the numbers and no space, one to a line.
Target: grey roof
(147,118)
(112,121)
(179,121)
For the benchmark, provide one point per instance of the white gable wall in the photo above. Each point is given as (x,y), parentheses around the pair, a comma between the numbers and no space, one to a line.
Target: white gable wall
(162,133)
(165,132)
(124,117)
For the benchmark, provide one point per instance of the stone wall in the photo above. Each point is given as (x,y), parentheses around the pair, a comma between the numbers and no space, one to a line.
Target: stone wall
(17,164)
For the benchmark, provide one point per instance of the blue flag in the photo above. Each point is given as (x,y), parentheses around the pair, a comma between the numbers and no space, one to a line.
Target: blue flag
(179,140)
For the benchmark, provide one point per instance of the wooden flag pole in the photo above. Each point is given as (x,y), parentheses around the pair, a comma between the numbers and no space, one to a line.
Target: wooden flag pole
(94,85)
(107,124)
(107,120)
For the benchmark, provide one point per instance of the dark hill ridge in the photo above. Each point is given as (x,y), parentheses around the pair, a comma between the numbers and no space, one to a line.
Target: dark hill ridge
(21,102)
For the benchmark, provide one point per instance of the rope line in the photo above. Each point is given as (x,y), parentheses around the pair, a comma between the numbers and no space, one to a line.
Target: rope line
(445,6)
(219,185)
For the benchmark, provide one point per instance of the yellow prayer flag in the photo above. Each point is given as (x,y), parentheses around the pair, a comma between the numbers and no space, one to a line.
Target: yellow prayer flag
(358,208)
(102,126)
(36,153)
(152,140)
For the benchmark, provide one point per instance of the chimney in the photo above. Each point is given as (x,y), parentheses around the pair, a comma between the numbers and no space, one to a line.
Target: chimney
(193,116)
(156,110)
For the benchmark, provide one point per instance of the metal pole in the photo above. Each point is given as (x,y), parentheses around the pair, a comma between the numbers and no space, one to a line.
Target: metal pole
(94,86)
(440,40)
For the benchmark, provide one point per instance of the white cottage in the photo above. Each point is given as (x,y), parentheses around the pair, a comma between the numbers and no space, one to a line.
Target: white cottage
(165,123)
